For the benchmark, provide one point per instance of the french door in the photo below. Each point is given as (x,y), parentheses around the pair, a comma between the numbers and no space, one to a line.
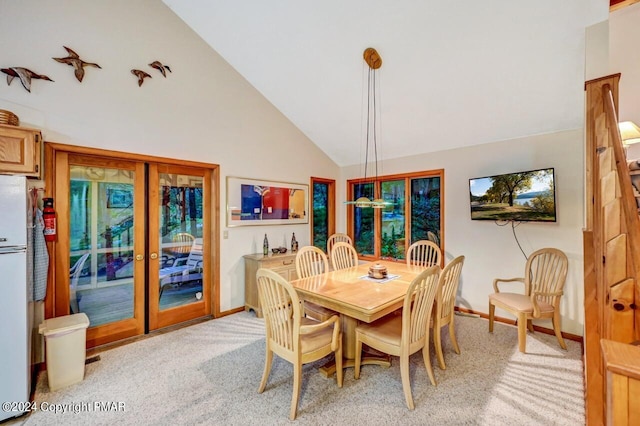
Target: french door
(134,244)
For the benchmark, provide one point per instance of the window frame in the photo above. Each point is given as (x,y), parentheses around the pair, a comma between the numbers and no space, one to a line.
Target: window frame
(439,173)
(331,207)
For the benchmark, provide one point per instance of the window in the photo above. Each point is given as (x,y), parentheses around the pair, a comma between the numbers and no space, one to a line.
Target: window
(413,212)
(323,215)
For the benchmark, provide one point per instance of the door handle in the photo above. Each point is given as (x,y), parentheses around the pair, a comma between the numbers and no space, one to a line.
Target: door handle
(140,257)
(153,256)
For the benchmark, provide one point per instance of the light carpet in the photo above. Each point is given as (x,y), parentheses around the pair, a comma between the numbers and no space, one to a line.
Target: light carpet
(209,374)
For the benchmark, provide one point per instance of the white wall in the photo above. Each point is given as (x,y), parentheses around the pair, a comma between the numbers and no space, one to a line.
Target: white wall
(624,34)
(202,111)
(205,111)
(490,250)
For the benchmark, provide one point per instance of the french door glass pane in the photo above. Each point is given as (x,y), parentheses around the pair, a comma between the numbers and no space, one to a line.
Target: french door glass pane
(320,214)
(101,243)
(393,220)
(363,221)
(425,209)
(180,213)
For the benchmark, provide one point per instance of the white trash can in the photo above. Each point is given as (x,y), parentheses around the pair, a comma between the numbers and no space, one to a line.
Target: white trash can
(65,342)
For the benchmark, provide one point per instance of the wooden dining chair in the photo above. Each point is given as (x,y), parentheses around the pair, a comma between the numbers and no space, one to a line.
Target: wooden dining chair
(545,275)
(424,253)
(343,255)
(290,335)
(311,261)
(404,335)
(337,238)
(443,313)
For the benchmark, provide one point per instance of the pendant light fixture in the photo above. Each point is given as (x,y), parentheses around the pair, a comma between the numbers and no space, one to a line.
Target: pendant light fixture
(374,62)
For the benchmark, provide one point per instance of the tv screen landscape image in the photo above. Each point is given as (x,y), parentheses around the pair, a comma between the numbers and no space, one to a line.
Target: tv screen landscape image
(521,197)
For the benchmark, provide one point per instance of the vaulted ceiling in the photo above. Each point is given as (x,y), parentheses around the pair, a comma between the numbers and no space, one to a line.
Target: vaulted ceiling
(454,74)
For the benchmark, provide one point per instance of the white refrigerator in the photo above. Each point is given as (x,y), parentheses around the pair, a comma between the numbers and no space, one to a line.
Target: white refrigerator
(16,292)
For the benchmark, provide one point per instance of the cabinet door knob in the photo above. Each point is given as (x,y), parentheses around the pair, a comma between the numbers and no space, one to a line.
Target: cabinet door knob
(153,256)
(139,257)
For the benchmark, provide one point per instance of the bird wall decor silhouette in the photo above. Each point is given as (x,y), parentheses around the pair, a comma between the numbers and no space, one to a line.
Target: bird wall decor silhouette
(141,76)
(78,64)
(24,74)
(160,67)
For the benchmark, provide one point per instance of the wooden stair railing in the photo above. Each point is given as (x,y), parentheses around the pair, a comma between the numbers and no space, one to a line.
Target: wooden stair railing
(611,245)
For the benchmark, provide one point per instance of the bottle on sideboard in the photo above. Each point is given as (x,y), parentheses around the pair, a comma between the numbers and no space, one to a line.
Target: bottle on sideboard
(294,243)
(265,246)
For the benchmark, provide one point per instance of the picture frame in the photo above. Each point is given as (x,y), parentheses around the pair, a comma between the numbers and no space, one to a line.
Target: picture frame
(252,202)
(119,198)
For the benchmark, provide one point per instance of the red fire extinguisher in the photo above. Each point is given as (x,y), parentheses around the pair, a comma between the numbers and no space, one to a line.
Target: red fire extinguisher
(49,217)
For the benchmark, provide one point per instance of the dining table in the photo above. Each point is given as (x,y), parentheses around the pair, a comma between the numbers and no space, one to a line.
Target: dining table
(357,297)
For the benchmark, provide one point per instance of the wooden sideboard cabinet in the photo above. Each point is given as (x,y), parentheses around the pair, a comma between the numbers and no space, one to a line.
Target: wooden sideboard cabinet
(20,151)
(283,264)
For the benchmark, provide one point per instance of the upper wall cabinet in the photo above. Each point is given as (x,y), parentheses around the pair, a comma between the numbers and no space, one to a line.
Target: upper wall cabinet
(20,151)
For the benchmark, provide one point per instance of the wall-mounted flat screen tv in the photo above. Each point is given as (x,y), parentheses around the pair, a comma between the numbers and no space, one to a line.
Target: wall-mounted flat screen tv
(522,197)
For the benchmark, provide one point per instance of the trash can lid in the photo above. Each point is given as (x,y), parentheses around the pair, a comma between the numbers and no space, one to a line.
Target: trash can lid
(64,323)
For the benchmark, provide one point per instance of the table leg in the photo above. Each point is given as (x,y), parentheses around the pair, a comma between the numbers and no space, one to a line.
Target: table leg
(369,356)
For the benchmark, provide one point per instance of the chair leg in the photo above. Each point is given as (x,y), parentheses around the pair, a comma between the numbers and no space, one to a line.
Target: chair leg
(522,332)
(452,335)
(492,310)
(267,369)
(339,369)
(406,381)
(437,342)
(556,327)
(297,379)
(356,367)
(530,326)
(427,364)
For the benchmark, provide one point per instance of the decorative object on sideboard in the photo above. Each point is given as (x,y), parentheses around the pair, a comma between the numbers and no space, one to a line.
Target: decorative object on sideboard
(24,74)
(141,76)
(9,118)
(73,60)
(160,67)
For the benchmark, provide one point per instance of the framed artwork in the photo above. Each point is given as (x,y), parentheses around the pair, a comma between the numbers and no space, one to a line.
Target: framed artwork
(264,202)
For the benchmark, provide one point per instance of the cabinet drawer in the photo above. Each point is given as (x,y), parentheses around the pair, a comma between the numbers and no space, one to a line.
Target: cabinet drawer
(278,263)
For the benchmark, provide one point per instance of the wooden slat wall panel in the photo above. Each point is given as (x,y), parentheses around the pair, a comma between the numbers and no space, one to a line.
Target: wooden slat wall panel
(611,215)
(615,265)
(634,407)
(619,400)
(621,298)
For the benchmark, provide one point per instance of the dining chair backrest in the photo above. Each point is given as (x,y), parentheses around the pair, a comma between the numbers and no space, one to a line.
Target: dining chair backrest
(343,255)
(281,309)
(445,306)
(424,253)
(546,272)
(310,260)
(417,307)
(337,238)
(449,282)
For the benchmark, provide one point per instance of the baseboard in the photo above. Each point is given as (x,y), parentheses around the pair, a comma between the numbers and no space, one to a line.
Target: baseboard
(568,336)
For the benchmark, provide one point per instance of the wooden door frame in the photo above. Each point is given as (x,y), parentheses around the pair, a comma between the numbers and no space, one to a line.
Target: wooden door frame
(157,318)
(52,177)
